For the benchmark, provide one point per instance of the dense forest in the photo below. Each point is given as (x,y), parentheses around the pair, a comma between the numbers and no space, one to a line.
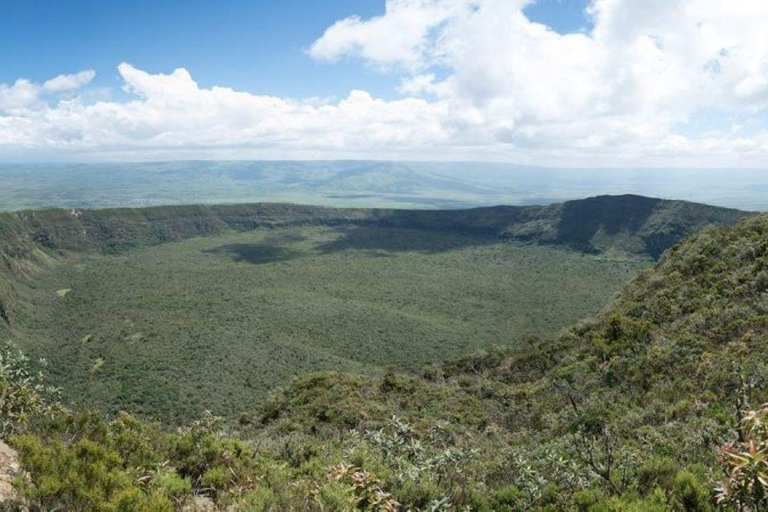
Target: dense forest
(652,404)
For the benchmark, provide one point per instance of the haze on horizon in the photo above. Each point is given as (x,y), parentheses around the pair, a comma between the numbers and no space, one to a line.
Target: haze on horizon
(563,83)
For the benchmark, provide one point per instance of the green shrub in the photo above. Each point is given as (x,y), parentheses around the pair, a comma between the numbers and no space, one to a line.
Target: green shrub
(691,495)
(336,496)
(657,472)
(508,498)
(216,478)
(259,499)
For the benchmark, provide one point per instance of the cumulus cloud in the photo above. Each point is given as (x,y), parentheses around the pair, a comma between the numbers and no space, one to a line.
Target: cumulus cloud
(645,67)
(404,35)
(171,112)
(20,94)
(478,79)
(26,94)
(64,83)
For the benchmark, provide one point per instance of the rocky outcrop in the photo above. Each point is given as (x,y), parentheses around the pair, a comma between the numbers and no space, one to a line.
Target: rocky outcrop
(9,468)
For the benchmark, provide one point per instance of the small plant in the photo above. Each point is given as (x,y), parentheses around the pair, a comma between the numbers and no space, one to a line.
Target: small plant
(746,465)
(368,493)
(24,393)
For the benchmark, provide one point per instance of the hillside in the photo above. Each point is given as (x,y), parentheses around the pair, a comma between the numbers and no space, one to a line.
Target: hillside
(628,225)
(635,225)
(170,311)
(631,404)
(622,412)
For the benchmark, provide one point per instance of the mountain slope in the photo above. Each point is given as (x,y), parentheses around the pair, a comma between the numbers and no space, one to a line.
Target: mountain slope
(616,404)
(625,226)
(621,413)
(632,224)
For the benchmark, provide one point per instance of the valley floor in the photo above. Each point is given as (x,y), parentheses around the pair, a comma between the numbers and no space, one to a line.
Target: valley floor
(215,323)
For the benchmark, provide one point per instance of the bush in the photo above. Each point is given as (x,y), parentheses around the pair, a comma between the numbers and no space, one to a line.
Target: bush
(746,466)
(657,472)
(690,494)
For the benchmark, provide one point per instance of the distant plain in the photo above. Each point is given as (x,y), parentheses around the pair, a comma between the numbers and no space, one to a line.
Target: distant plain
(364,184)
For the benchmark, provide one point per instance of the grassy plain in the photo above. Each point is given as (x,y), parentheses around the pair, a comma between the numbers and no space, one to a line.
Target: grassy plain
(217,322)
(360,184)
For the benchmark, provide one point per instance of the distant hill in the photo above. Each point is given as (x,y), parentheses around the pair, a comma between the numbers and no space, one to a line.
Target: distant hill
(629,225)
(624,226)
(359,184)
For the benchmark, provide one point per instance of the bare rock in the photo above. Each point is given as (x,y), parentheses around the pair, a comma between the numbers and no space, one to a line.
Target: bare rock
(9,468)
(200,504)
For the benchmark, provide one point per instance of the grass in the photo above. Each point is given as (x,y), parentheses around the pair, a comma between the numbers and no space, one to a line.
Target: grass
(217,322)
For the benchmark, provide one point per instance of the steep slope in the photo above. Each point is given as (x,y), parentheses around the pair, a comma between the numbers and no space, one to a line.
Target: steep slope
(628,225)
(632,224)
(620,413)
(617,225)
(617,404)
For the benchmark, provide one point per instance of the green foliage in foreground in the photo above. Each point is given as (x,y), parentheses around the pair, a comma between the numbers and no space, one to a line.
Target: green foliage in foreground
(305,454)
(216,322)
(746,465)
(87,462)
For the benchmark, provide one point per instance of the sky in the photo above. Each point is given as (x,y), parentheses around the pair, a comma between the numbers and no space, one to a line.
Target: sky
(563,83)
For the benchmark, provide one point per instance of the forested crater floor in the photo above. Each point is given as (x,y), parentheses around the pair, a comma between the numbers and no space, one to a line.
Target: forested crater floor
(442,371)
(214,323)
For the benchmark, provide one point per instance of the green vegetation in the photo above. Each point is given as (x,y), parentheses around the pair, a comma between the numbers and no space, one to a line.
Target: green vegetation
(84,461)
(618,225)
(172,310)
(746,465)
(652,405)
(622,412)
(216,322)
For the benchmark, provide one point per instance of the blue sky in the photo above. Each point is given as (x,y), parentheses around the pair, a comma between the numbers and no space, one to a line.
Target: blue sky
(251,45)
(562,16)
(545,82)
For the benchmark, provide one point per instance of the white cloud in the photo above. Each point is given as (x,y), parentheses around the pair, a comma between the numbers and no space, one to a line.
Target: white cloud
(402,36)
(645,67)
(64,83)
(478,79)
(23,93)
(172,113)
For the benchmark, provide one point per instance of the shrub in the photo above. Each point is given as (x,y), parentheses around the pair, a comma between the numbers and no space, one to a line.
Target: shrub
(746,466)
(690,494)
(657,472)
